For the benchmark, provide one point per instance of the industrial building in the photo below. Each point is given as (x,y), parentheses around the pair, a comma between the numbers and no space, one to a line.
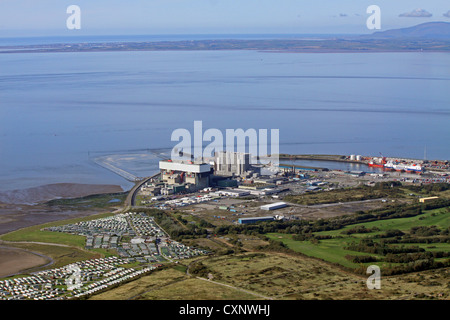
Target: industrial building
(296,168)
(227,183)
(231,193)
(185,175)
(274,206)
(255,219)
(264,192)
(356,173)
(231,163)
(151,189)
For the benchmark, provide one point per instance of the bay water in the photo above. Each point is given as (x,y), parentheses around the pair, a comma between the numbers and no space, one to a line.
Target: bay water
(58,111)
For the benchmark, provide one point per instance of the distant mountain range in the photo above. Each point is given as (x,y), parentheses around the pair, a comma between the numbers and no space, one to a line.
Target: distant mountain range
(429,30)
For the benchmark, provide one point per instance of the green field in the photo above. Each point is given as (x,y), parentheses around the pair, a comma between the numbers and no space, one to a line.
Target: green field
(437,217)
(329,250)
(37,234)
(333,250)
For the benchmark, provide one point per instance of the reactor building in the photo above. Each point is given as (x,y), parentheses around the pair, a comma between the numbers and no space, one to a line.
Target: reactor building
(231,163)
(185,175)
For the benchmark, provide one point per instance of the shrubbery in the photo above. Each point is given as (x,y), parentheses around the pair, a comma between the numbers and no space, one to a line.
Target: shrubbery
(361,259)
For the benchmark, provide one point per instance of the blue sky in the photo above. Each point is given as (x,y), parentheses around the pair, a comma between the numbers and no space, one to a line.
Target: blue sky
(100,17)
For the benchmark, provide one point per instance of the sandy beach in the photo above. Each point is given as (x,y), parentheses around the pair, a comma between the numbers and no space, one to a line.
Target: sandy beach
(14,260)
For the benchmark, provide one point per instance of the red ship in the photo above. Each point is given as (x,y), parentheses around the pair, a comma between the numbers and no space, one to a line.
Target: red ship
(381,164)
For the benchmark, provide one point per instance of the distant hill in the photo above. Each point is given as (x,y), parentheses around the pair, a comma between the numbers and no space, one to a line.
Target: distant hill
(429,30)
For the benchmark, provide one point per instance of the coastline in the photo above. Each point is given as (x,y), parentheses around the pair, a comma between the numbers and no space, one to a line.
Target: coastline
(28,207)
(331,45)
(47,192)
(17,215)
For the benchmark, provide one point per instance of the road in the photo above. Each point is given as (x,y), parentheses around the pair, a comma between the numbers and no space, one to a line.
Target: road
(325,205)
(130,200)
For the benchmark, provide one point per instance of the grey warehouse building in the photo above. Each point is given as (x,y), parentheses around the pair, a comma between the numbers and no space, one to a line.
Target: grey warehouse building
(255,219)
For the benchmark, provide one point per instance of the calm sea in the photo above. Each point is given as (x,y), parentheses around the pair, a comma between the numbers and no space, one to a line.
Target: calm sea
(59,110)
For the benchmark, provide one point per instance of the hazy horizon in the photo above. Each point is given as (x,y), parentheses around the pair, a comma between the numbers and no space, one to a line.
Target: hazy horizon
(25,18)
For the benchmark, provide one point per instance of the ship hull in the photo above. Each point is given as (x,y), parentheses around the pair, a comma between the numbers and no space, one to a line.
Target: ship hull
(402,167)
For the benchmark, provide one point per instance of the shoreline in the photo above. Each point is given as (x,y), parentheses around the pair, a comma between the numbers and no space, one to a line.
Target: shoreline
(47,192)
(331,45)
(17,212)
(15,216)
(4,51)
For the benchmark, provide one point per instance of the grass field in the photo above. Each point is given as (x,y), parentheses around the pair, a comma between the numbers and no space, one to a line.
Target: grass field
(333,250)
(437,217)
(35,233)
